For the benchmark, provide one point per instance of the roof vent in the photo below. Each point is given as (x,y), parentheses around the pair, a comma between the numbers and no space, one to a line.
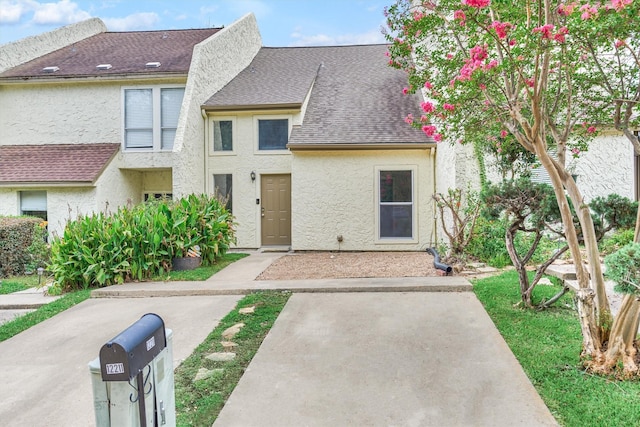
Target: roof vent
(153,65)
(50,69)
(104,66)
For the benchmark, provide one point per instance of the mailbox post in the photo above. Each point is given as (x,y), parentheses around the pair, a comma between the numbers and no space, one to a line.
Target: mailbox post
(142,351)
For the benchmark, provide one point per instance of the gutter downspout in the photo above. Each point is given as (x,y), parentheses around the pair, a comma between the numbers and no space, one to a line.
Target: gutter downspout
(206,154)
(433,204)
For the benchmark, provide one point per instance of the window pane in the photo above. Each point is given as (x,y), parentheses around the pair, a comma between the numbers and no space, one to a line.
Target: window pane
(396,221)
(395,186)
(33,201)
(138,109)
(138,118)
(168,136)
(222,189)
(139,138)
(223,135)
(171,101)
(273,134)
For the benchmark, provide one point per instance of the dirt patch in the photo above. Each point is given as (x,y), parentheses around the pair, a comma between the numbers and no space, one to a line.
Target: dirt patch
(341,265)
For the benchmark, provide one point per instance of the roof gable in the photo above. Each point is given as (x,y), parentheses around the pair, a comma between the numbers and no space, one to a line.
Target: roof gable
(126,52)
(356,98)
(54,163)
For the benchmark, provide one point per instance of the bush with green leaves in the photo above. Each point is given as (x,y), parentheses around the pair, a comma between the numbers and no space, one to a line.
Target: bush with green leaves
(17,236)
(623,267)
(139,242)
(616,241)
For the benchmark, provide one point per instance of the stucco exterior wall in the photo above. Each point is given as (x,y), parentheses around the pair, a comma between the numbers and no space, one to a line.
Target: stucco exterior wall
(60,114)
(24,50)
(606,168)
(9,202)
(215,62)
(244,159)
(334,193)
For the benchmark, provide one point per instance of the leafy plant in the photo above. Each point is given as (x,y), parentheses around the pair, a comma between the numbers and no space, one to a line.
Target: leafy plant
(623,267)
(616,241)
(139,242)
(463,209)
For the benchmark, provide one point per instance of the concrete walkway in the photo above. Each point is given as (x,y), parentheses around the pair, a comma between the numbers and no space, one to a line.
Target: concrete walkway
(364,352)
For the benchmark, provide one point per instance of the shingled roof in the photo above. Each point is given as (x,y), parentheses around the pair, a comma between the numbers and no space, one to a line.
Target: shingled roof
(126,52)
(54,163)
(356,98)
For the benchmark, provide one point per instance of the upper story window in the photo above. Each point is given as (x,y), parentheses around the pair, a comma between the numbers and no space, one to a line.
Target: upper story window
(273,134)
(223,135)
(151,117)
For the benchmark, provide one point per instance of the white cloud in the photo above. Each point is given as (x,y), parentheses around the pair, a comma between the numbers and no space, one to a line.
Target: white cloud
(11,11)
(370,37)
(136,21)
(62,12)
(258,7)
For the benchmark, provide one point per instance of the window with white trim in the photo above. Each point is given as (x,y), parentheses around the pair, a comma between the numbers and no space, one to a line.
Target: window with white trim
(34,203)
(395,198)
(151,117)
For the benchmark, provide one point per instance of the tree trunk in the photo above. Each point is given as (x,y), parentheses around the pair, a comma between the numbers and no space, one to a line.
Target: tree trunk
(519,266)
(591,342)
(623,334)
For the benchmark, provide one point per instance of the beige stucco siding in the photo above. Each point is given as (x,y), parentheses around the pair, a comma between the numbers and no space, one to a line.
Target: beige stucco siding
(215,62)
(334,193)
(606,168)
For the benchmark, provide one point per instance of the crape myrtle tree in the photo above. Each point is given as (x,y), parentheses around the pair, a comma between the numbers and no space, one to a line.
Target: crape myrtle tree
(492,69)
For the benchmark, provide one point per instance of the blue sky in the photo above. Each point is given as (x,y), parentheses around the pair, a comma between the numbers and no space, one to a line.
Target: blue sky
(281,22)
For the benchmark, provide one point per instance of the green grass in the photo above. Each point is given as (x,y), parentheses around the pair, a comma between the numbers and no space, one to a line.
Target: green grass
(202,273)
(43,313)
(16,284)
(547,344)
(198,404)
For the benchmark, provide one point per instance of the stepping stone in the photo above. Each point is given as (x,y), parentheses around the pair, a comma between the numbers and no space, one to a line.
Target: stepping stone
(545,282)
(228,345)
(204,373)
(232,331)
(221,357)
(247,310)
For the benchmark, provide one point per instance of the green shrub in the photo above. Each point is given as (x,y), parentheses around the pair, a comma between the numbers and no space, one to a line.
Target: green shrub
(617,240)
(623,267)
(17,237)
(139,243)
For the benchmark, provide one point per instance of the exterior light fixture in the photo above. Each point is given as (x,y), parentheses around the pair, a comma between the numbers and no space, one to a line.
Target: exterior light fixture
(40,272)
(253,175)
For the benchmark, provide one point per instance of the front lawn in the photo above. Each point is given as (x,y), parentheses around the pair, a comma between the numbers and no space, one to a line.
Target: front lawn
(547,344)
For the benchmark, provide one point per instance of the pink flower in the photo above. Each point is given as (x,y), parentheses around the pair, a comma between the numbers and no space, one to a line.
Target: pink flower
(409,119)
(418,16)
(427,107)
(566,10)
(619,4)
(460,16)
(476,3)
(503,133)
(482,86)
(559,36)
(449,107)
(512,42)
(591,129)
(405,90)
(545,31)
(530,82)
(575,152)
(429,130)
(437,137)
(501,28)
(588,11)
(620,43)
(428,85)
(387,54)
(423,118)
(491,65)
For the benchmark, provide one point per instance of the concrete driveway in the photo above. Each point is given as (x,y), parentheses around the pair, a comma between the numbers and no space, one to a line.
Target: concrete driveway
(45,379)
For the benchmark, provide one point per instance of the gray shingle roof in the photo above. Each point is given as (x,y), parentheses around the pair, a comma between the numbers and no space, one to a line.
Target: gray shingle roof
(54,163)
(127,52)
(356,98)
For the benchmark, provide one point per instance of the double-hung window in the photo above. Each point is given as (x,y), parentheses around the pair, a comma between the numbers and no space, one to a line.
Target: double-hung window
(151,117)
(222,184)
(396,213)
(34,203)
(223,135)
